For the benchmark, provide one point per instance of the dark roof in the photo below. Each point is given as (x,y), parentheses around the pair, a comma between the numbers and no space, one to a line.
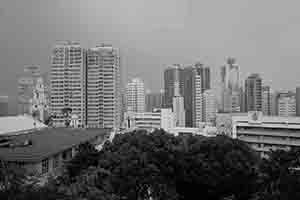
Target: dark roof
(47,142)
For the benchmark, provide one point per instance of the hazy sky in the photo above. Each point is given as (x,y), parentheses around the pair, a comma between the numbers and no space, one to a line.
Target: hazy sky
(263,35)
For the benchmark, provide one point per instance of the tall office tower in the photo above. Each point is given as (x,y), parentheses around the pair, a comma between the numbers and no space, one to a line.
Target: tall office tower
(3,106)
(104,98)
(196,79)
(287,105)
(209,106)
(153,100)
(298,101)
(135,96)
(178,107)
(205,75)
(26,85)
(266,100)
(189,93)
(197,99)
(253,89)
(68,71)
(172,74)
(230,88)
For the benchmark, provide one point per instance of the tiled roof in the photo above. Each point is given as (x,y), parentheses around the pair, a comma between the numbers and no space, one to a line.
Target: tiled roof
(48,142)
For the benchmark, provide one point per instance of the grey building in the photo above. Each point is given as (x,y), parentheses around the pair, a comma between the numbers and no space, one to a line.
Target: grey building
(153,100)
(253,90)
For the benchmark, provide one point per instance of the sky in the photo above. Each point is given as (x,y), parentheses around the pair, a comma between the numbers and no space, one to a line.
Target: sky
(263,36)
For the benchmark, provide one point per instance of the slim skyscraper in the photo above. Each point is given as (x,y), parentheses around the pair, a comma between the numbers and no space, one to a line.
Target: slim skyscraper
(230,88)
(135,96)
(209,106)
(103,87)
(205,75)
(253,90)
(68,71)
(197,109)
(266,100)
(178,107)
(172,74)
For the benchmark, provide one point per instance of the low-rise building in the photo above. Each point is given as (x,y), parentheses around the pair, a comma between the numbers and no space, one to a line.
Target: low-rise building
(265,133)
(159,118)
(43,152)
(207,131)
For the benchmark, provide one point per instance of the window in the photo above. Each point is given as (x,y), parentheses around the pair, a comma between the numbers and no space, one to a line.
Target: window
(45,166)
(56,161)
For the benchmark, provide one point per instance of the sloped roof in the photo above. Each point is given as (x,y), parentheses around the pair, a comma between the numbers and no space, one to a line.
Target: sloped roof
(13,125)
(48,142)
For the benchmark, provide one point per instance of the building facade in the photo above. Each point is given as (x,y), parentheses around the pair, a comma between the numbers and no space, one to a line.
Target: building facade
(178,107)
(154,100)
(159,118)
(68,71)
(172,74)
(265,133)
(253,90)
(209,106)
(266,100)
(230,87)
(135,95)
(287,105)
(103,87)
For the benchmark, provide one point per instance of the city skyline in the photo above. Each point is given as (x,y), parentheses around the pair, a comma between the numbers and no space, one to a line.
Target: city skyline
(151,40)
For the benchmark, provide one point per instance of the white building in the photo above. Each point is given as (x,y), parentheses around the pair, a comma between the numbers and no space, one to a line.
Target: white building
(178,107)
(207,131)
(103,87)
(265,133)
(287,106)
(198,102)
(39,102)
(135,95)
(209,106)
(159,118)
(68,81)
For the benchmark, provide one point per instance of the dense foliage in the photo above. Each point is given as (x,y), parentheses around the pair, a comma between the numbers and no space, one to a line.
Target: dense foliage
(141,166)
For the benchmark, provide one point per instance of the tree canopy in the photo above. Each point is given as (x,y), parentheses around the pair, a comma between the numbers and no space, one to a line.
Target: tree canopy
(158,165)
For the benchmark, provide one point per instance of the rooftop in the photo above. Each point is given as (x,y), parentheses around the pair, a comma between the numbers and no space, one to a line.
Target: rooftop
(14,125)
(45,143)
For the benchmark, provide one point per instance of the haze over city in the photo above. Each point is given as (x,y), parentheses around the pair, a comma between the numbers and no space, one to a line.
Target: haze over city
(261,35)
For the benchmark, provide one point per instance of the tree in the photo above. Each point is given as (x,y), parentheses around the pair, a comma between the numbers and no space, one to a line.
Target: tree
(216,168)
(280,176)
(86,156)
(140,165)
